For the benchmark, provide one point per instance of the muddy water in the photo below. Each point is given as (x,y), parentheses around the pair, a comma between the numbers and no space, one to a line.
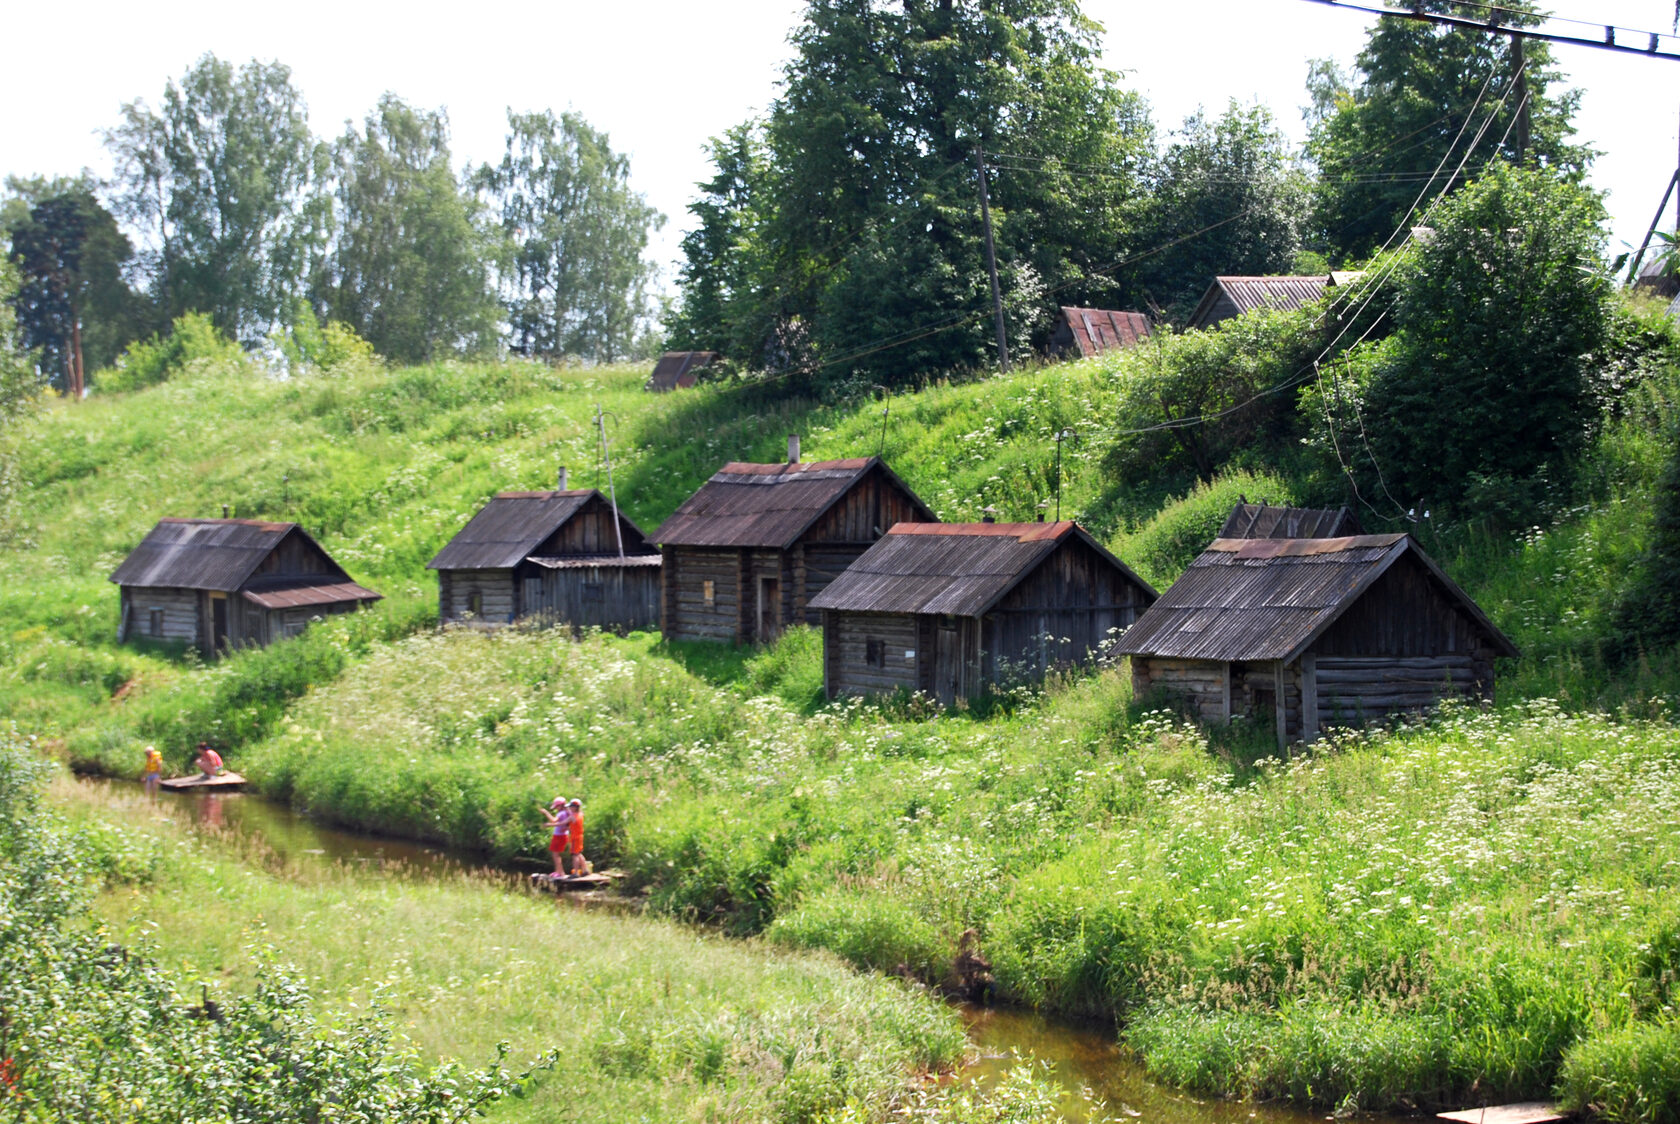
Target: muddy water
(1101,1084)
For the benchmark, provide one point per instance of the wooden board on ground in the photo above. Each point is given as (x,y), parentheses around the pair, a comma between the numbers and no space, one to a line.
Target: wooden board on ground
(1529,1112)
(183,784)
(596,880)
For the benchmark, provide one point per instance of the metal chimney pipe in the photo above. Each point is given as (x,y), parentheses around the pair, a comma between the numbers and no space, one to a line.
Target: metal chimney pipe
(224,511)
(793,448)
(560,486)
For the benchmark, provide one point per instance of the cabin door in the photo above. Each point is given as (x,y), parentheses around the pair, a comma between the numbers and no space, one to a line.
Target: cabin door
(218,622)
(769,609)
(947,661)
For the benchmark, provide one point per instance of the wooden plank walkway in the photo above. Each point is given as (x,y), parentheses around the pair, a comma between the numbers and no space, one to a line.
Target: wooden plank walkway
(1528,1112)
(185,784)
(597,880)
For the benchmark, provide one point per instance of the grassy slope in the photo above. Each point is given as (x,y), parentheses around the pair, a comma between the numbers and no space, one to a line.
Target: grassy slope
(883,835)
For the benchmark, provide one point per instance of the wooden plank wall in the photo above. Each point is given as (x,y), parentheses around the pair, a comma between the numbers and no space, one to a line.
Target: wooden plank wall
(685,614)
(456,587)
(1201,683)
(848,638)
(864,513)
(590,531)
(615,598)
(295,555)
(180,612)
(1353,690)
(1069,610)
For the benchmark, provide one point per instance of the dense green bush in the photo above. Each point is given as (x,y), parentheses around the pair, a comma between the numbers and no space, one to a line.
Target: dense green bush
(1628,1075)
(192,339)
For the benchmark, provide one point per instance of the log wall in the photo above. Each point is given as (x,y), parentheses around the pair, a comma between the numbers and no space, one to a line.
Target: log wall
(180,612)
(1203,684)
(685,613)
(1353,690)
(494,587)
(869,653)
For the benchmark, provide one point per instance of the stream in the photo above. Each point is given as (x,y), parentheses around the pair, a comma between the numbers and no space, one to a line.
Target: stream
(1101,1083)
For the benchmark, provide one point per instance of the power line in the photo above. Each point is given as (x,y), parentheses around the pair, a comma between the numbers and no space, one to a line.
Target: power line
(1657,44)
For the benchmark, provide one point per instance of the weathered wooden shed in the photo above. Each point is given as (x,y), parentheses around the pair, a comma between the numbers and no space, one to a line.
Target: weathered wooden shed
(951,609)
(552,556)
(678,370)
(1267,521)
(1233,296)
(229,583)
(746,553)
(1312,633)
(1081,333)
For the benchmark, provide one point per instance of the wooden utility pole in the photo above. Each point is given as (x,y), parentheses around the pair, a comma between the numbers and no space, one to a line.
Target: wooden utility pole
(1518,60)
(991,261)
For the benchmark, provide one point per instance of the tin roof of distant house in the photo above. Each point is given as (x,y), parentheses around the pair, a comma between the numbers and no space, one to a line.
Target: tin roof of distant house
(679,370)
(1284,293)
(506,530)
(1268,521)
(767,505)
(1096,330)
(1269,599)
(959,569)
(220,555)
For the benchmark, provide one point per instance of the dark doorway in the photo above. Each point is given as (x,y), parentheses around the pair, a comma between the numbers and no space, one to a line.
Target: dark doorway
(947,662)
(769,609)
(218,622)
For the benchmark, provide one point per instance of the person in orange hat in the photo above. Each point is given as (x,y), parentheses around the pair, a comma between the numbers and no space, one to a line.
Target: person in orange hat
(580,865)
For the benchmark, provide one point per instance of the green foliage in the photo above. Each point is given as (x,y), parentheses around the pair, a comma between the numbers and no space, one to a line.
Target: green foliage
(1163,546)
(576,281)
(192,342)
(1626,1075)
(308,345)
(409,269)
(1426,98)
(91,1025)
(19,387)
(224,179)
(1486,401)
(1235,177)
(852,219)
(1648,616)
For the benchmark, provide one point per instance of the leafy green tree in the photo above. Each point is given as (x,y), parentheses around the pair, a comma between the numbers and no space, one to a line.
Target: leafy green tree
(1419,96)
(408,269)
(19,386)
(72,304)
(1486,396)
(575,282)
(1236,178)
(224,182)
(850,243)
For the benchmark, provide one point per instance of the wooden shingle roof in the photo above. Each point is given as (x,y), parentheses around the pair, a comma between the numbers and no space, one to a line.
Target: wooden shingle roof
(767,505)
(959,569)
(1269,599)
(506,530)
(219,555)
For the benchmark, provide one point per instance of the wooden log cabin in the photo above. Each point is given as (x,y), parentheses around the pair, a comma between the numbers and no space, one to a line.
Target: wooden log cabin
(551,556)
(229,583)
(1306,634)
(952,609)
(746,553)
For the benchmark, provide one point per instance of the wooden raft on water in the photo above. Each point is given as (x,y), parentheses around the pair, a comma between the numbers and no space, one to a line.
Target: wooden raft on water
(595,880)
(186,784)
(1528,1112)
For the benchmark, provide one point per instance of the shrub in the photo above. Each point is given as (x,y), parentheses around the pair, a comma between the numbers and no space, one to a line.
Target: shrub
(193,338)
(1626,1076)
(329,348)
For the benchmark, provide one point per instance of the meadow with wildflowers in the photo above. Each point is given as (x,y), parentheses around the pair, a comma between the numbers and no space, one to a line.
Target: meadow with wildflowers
(1472,908)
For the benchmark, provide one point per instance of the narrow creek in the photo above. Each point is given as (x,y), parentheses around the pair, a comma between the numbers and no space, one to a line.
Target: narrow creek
(1102,1085)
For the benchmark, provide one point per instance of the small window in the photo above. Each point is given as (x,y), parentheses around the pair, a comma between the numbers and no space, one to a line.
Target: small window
(154,622)
(708,592)
(293,628)
(875,652)
(594,591)
(475,603)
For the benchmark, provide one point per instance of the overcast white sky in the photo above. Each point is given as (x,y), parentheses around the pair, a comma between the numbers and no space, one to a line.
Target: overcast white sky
(662,77)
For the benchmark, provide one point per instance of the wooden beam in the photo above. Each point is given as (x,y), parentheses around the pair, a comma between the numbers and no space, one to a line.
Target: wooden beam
(1309,698)
(1282,708)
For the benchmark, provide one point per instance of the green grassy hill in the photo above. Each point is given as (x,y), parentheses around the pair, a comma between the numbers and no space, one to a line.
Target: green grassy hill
(1481,903)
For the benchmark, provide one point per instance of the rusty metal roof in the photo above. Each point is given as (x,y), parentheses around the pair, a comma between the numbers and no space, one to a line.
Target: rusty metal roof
(1266,521)
(1269,599)
(679,370)
(960,569)
(595,561)
(507,529)
(212,554)
(768,505)
(298,595)
(1096,330)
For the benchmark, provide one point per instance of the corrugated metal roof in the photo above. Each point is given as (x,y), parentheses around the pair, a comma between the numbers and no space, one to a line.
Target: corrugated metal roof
(212,554)
(296,596)
(1249,293)
(960,569)
(595,561)
(508,528)
(767,505)
(679,370)
(1268,599)
(1266,521)
(1096,330)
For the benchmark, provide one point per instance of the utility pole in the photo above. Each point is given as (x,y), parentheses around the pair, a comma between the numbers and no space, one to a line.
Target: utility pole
(991,261)
(1519,61)
(601,423)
